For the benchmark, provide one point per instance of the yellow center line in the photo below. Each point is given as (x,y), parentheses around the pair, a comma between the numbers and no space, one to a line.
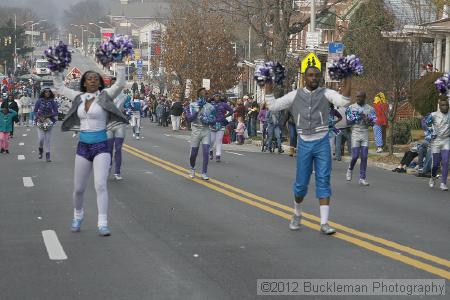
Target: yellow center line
(394,245)
(364,244)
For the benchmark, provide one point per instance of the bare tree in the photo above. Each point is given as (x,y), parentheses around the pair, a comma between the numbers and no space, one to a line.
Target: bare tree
(197,46)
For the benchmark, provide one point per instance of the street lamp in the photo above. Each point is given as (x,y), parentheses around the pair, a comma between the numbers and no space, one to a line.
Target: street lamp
(32,37)
(102,22)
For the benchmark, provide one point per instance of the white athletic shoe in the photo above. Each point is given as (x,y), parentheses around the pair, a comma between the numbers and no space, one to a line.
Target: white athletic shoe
(432,182)
(137,138)
(443,187)
(204,176)
(363,182)
(192,173)
(379,150)
(118,177)
(134,135)
(348,176)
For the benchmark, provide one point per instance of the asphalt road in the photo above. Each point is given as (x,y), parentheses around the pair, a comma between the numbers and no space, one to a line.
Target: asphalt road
(178,238)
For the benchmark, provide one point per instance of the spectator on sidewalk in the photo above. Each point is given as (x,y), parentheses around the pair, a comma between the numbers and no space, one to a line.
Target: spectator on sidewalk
(379,129)
(274,121)
(240,130)
(175,113)
(252,117)
(344,135)
(408,157)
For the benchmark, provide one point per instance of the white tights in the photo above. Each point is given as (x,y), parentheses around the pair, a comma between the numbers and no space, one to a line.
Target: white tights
(83,169)
(216,140)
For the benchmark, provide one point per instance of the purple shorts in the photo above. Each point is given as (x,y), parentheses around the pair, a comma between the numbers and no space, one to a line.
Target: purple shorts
(89,151)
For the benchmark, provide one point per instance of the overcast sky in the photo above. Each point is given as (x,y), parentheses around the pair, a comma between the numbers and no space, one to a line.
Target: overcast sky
(47,9)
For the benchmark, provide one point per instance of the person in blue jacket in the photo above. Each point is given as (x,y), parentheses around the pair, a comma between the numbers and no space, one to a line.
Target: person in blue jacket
(6,123)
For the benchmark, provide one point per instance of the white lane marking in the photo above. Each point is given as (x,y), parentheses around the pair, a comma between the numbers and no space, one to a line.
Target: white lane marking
(167,134)
(21,144)
(54,248)
(154,146)
(235,153)
(25,134)
(28,182)
(20,157)
(28,129)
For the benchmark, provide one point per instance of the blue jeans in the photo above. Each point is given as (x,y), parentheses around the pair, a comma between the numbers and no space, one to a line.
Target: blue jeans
(319,153)
(292,135)
(345,133)
(271,131)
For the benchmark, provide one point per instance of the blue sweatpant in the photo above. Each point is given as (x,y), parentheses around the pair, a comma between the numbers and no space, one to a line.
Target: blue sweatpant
(316,152)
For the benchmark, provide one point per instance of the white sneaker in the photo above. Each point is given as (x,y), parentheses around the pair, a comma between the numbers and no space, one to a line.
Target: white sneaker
(443,187)
(118,177)
(432,182)
(134,135)
(379,150)
(363,182)
(348,176)
(192,173)
(205,177)
(137,138)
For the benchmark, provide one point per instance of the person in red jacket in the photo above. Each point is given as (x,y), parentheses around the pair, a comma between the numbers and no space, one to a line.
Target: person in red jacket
(379,129)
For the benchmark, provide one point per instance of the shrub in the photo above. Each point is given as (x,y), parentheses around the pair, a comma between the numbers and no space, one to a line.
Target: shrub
(401,133)
(424,96)
(413,123)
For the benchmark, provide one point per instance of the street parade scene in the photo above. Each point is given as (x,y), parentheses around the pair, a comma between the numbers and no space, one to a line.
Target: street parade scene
(224,149)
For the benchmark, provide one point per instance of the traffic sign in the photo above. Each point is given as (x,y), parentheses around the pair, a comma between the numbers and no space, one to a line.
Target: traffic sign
(310,60)
(139,64)
(74,74)
(312,39)
(94,40)
(335,48)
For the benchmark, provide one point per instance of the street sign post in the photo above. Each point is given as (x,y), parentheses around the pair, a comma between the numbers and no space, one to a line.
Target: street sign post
(335,48)
(335,51)
(312,39)
(206,83)
(310,60)
(139,64)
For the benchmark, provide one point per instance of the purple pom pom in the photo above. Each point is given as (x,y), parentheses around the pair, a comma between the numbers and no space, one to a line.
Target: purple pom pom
(345,67)
(443,84)
(58,57)
(269,72)
(114,50)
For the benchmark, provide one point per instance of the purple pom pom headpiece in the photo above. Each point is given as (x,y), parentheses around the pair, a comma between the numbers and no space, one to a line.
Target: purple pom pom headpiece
(58,57)
(345,67)
(443,84)
(114,50)
(269,72)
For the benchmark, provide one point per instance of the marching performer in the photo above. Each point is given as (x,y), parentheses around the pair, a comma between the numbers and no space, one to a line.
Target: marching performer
(136,108)
(117,136)
(360,116)
(217,130)
(440,144)
(310,108)
(92,113)
(201,114)
(46,113)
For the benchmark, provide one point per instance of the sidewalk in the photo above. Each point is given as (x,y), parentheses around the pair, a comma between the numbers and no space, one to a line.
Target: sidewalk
(370,161)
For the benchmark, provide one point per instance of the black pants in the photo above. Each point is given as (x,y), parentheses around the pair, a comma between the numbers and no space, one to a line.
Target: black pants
(408,158)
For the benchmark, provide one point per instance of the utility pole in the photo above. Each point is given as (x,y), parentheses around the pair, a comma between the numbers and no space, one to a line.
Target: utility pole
(15,44)
(313,16)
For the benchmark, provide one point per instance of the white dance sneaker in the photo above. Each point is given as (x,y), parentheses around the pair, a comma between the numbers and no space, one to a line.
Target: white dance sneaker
(118,177)
(295,222)
(349,175)
(432,182)
(443,187)
(363,182)
(192,173)
(137,137)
